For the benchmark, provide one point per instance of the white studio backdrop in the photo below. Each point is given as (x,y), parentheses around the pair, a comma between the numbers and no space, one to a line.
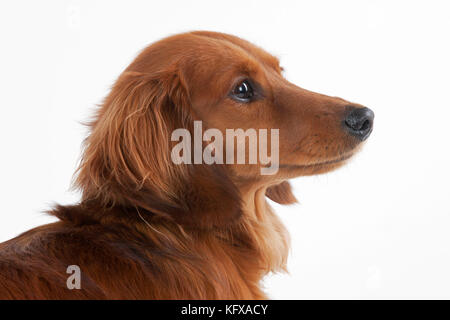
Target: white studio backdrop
(378,228)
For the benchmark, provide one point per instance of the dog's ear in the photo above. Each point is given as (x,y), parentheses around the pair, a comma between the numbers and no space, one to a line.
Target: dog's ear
(127,157)
(281,193)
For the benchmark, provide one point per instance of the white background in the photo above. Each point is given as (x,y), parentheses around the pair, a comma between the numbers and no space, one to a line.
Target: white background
(378,228)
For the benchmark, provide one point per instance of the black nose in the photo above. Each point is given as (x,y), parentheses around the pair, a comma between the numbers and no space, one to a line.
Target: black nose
(359,122)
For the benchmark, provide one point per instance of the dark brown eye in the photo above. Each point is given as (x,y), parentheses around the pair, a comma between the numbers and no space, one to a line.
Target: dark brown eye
(243,91)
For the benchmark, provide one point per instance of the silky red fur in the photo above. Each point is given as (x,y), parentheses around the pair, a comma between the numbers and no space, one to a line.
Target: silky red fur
(146,228)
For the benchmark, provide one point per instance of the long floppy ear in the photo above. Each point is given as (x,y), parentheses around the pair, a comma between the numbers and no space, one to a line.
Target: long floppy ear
(127,162)
(281,193)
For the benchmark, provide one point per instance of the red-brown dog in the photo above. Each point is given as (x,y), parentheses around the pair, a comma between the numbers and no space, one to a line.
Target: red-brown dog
(148,228)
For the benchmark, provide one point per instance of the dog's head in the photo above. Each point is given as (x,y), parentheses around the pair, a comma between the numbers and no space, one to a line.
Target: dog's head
(227,84)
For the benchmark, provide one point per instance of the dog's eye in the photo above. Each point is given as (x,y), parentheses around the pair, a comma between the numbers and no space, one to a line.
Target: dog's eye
(243,91)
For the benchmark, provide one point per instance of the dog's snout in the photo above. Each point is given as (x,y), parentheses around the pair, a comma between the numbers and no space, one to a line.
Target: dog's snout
(359,122)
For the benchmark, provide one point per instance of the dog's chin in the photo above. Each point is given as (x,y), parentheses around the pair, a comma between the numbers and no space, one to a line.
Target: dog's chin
(314,168)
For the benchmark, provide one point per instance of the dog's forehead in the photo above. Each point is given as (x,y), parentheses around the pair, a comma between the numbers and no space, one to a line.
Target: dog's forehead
(199,47)
(233,41)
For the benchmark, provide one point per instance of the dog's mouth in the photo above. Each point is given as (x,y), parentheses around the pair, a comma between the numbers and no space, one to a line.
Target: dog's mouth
(318,165)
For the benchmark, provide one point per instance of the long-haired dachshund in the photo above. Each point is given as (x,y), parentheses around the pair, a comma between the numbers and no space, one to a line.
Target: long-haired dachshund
(149,228)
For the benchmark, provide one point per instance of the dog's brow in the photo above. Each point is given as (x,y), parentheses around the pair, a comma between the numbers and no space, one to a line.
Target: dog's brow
(276,63)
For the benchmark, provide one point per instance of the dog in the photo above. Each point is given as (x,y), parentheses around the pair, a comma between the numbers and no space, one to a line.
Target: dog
(147,228)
